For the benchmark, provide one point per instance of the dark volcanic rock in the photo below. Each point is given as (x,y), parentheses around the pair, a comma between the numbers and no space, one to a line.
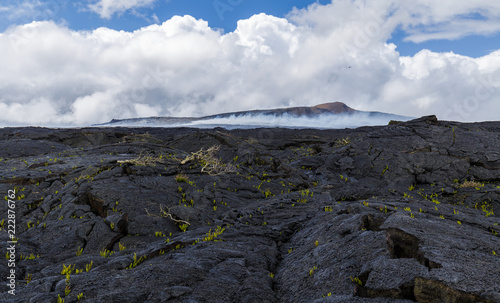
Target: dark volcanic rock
(401,213)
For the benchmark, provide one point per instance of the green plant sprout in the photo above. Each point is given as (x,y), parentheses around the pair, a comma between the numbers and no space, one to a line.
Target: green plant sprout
(181,178)
(136,261)
(356,280)
(183,227)
(67,270)
(88,267)
(385,169)
(105,253)
(211,236)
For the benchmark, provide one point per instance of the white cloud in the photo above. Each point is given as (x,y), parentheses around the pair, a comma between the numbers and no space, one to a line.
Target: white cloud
(28,10)
(422,20)
(431,20)
(155,18)
(51,75)
(107,8)
(455,30)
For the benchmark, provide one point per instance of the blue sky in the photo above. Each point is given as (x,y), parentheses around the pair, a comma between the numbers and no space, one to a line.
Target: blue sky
(83,62)
(220,14)
(472,46)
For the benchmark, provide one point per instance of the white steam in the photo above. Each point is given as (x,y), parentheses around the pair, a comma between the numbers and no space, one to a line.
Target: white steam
(323,121)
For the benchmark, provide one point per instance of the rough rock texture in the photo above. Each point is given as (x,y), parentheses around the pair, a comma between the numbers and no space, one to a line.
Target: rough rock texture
(374,214)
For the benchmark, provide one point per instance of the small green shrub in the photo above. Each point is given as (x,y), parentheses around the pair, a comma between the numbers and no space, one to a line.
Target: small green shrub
(471,184)
(181,178)
(67,270)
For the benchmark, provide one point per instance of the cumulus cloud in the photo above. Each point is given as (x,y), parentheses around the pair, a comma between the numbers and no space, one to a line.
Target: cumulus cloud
(52,75)
(107,8)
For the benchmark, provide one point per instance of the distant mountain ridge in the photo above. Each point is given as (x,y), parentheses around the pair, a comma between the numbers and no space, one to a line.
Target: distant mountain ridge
(325,108)
(333,108)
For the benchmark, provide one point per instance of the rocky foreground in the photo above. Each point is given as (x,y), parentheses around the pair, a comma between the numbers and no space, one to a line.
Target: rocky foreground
(400,213)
